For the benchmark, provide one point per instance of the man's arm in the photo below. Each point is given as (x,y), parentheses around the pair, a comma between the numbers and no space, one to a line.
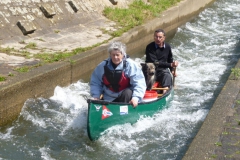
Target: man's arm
(96,85)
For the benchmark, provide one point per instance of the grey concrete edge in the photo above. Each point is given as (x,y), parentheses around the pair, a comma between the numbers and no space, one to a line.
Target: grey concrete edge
(41,82)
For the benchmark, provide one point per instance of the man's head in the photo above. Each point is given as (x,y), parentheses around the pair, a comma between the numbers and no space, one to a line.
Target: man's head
(159,37)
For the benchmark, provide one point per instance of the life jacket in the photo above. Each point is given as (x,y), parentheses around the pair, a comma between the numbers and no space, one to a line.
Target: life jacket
(115,80)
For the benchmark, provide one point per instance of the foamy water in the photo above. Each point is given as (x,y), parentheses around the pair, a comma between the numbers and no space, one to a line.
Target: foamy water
(56,128)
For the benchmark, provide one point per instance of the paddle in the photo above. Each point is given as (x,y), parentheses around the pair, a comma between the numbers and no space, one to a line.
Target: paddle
(174,72)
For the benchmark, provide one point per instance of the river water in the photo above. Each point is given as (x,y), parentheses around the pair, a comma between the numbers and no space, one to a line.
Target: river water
(55,128)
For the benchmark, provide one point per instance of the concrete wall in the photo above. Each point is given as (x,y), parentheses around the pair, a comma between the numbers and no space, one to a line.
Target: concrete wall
(41,81)
(21,17)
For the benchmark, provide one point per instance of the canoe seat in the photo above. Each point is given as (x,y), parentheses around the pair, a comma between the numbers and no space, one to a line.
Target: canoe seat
(160,95)
(160,89)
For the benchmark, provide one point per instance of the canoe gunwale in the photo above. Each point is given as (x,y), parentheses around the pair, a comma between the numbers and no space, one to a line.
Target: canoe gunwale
(102,102)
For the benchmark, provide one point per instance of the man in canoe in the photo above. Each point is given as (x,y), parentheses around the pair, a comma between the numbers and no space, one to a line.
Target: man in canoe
(118,78)
(160,53)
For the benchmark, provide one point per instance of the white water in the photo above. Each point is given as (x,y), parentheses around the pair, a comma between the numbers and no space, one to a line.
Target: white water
(206,48)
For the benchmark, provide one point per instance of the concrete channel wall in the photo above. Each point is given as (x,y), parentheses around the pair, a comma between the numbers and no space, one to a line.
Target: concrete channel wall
(41,81)
(23,17)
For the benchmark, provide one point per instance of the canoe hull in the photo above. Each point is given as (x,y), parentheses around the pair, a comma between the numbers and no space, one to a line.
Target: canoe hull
(103,115)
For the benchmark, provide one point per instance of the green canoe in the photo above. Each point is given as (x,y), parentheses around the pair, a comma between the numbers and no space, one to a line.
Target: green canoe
(103,114)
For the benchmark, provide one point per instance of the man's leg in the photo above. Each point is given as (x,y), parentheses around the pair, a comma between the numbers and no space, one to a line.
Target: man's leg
(165,79)
(125,96)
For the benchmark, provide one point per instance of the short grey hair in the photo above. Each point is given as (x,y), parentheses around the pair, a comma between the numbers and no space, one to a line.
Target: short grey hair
(117,46)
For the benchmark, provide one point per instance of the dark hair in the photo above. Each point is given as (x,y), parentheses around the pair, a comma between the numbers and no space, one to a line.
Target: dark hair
(160,30)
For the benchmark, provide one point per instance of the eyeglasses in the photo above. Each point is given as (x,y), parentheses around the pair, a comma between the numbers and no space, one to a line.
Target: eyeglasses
(160,37)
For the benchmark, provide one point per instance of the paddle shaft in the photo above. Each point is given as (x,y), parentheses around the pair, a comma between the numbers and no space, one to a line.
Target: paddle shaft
(155,88)
(174,72)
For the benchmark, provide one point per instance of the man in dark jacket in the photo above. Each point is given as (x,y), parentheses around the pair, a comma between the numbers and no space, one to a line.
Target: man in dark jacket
(160,53)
